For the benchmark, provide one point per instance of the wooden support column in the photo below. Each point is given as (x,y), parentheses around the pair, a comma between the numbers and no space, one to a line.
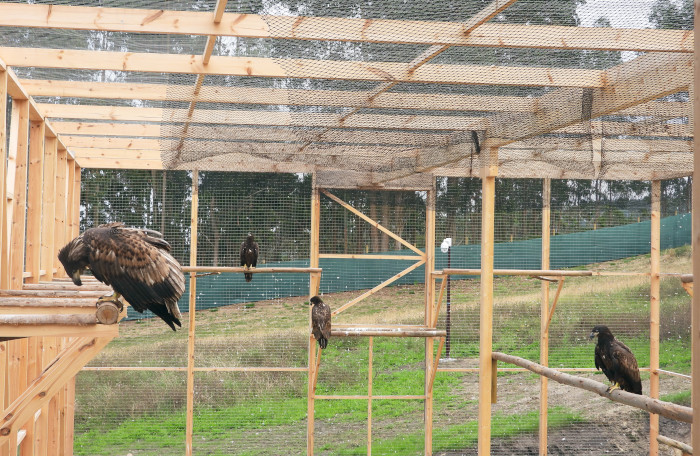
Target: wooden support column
(488,190)
(75,220)
(34,198)
(314,288)
(48,213)
(655,312)
(369,394)
(19,140)
(61,208)
(4,212)
(194,221)
(70,196)
(544,311)
(428,319)
(695,308)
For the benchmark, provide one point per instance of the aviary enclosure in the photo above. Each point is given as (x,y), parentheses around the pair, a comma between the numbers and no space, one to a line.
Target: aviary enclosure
(550,141)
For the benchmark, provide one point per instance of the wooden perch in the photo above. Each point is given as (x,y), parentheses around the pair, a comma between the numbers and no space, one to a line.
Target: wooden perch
(386,332)
(250,271)
(687,278)
(686,449)
(58,319)
(667,409)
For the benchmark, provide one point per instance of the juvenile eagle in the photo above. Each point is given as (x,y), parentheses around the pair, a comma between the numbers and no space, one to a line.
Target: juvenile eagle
(616,360)
(320,321)
(249,255)
(135,262)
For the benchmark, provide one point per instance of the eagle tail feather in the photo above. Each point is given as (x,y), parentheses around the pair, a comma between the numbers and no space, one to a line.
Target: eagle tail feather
(248,277)
(323,342)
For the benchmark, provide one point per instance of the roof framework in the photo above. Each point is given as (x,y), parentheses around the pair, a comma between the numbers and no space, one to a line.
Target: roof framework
(410,97)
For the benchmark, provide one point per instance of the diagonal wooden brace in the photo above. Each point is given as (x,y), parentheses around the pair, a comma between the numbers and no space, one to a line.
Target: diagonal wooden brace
(66,365)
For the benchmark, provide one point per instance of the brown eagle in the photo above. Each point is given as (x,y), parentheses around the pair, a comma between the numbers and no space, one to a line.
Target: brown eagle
(249,255)
(135,262)
(320,321)
(616,360)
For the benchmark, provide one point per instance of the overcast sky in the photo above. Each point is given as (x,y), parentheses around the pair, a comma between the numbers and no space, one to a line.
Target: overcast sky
(621,13)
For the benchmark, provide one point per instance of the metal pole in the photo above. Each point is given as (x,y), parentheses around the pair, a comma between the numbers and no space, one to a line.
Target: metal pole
(447,321)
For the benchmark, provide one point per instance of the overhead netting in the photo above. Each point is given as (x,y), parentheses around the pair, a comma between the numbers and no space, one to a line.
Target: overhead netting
(328,89)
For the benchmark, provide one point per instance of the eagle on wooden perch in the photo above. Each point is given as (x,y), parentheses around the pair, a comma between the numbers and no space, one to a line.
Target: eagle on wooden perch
(616,360)
(135,262)
(320,321)
(249,255)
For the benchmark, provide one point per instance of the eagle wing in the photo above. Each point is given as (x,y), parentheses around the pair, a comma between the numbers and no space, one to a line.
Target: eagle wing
(625,365)
(254,260)
(602,362)
(138,266)
(321,322)
(243,249)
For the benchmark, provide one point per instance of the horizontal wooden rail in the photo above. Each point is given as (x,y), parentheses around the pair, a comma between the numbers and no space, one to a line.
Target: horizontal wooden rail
(667,409)
(388,332)
(686,449)
(251,271)
(370,257)
(75,294)
(196,369)
(517,272)
(360,396)
(522,369)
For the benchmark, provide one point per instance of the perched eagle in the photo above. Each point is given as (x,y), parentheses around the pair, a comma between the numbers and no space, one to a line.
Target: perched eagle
(616,360)
(249,255)
(135,262)
(320,321)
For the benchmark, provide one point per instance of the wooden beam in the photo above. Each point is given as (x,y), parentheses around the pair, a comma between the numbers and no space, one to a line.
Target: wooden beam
(314,288)
(61,207)
(52,379)
(301,68)
(19,140)
(429,298)
(694,90)
(4,208)
(342,29)
(654,312)
(248,117)
(48,205)
(544,311)
(34,199)
(651,405)
(274,96)
(685,448)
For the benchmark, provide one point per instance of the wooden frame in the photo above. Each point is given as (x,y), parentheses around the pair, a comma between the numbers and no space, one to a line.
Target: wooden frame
(694,90)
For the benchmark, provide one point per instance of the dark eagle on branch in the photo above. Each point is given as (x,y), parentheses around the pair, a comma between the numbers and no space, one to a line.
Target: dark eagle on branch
(320,321)
(134,262)
(249,255)
(616,360)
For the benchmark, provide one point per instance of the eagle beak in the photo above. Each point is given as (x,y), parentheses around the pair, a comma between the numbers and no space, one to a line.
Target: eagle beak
(592,335)
(76,278)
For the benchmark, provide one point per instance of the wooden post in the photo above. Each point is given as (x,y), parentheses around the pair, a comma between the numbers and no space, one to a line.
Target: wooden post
(194,219)
(695,308)
(34,198)
(544,311)
(654,318)
(61,208)
(314,286)
(48,213)
(19,138)
(428,319)
(488,190)
(75,221)
(369,401)
(70,207)
(4,212)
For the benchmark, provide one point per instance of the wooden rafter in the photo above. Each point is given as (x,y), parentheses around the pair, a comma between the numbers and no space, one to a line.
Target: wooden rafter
(301,68)
(342,29)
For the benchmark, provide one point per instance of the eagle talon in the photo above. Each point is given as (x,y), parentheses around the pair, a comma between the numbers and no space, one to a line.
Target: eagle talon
(612,388)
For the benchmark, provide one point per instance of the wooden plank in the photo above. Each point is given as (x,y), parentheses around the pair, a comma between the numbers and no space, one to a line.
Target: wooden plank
(69,431)
(61,209)
(75,214)
(654,312)
(239,269)
(429,299)
(67,364)
(248,117)
(370,257)
(343,29)
(100,153)
(651,405)
(488,182)
(275,96)
(685,448)
(194,217)
(544,311)
(34,199)
(20,139)
(107,129)
(314,288)
(379,332)
(369,394)
(301,68)
(48,216)
(111,163)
